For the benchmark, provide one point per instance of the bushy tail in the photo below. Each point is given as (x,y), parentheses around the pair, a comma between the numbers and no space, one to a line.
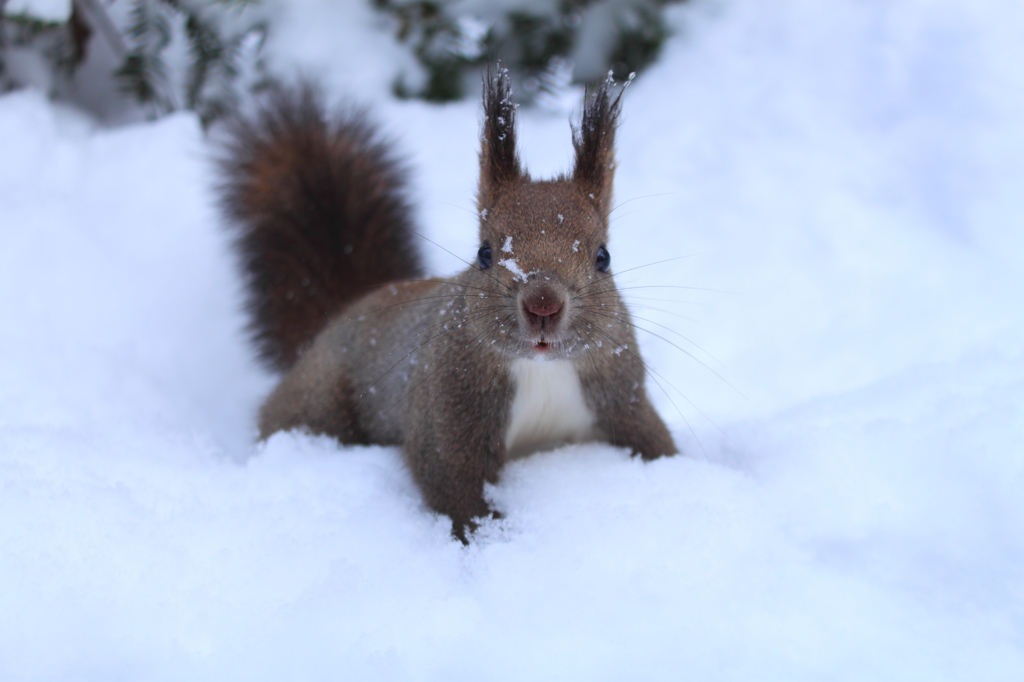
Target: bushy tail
(320,206)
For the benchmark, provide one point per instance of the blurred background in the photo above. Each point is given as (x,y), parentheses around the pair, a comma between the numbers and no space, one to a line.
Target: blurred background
(121,59)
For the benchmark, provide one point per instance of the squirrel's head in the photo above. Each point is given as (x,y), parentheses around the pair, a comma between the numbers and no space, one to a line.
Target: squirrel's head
(544,244)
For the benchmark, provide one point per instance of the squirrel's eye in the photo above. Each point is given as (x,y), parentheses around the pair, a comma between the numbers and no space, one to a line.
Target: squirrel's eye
(483,257)
(604,259)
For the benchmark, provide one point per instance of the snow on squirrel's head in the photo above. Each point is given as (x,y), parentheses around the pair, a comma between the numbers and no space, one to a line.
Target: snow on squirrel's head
(546,241)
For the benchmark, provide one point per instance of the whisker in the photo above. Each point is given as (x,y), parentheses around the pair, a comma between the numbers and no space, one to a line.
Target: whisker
(640,267)
(646,196)
(453,355)
(496,280)
(431,280)
(658,286)
(631,297)
(675,345)
(600,310)
(651,374)
(504,345)
(676,389)
(676,286)
(597,372)
(642,306)
(685,338)
(418,302)
(613,220)
(462,208)
(473,318)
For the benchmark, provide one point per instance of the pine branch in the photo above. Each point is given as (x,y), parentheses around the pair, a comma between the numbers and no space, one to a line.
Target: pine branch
(143,73)
(98,17)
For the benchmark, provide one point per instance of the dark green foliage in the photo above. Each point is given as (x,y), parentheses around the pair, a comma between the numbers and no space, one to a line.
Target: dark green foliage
(537,45)
(80,33)
(223,48)
(207,50)
(539,38)
(215,66)
(214,58)
(445,83)
(25,27)
(438,44)
(143,74)
(639,41)
(223,39)
(62,44)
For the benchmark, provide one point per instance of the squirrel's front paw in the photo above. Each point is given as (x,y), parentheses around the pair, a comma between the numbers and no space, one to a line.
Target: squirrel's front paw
(655,448)
(462,530)
(648,456)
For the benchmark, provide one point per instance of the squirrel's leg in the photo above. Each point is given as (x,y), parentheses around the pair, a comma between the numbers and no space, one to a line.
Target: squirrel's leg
(316,395)
(624,413)
(455,444)
(637,426)
(452,481)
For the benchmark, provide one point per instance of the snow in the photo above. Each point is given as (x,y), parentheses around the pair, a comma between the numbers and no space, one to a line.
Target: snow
(512,265)
(843,179)
(48,10)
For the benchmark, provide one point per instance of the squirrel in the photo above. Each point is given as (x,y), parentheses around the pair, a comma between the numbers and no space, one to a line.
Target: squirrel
(530,346)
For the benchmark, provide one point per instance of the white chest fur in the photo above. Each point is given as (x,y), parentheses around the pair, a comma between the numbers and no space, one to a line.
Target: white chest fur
(548,409)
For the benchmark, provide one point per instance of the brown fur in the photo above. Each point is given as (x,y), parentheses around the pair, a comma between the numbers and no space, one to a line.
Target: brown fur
(499,153)
(426,364)
(321,212)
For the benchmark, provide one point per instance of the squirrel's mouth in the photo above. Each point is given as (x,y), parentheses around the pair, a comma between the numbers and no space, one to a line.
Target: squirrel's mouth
(542,346)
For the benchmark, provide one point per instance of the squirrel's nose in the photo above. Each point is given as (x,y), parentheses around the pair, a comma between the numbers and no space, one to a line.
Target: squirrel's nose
(542,303)
(542,308)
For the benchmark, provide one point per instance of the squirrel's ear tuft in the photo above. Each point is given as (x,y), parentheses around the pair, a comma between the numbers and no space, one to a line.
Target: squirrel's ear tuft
(594,140)
(499,160)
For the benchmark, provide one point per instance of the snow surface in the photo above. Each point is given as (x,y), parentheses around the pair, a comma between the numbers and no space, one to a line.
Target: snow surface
(841,181)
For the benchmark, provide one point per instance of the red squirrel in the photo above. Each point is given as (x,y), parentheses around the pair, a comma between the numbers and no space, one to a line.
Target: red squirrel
(530,346)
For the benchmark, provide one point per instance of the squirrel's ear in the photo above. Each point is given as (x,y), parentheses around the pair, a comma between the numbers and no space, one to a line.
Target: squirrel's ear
(594,140)
(499,160)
